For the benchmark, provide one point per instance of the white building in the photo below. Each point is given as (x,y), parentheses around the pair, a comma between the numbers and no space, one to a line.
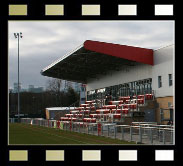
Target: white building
(15,90)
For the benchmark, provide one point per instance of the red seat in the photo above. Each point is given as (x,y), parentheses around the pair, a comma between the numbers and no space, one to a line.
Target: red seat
(125,106)
(133,106)
(93,115)
(74,112)
(103,111)
(106,111)
(124,98)
(121,102)
(72,119)
(118,111)
(125,111)
(84,105)
(68,115)
(89,108)
(140,96)
(149,96)
(85,119)
(78,115)
(117,116)
(134,96)
(64,118)
(140,101)
(109,106)
(93,120)
(85,112)
(90,102)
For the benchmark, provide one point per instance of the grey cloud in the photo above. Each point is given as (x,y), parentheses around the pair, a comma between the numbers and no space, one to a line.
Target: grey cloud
(45,41)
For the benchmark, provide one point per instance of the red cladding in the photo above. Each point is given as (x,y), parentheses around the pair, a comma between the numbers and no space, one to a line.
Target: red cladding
(136,54)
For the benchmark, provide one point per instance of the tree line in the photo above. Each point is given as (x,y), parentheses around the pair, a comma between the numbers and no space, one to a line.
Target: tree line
(33,105)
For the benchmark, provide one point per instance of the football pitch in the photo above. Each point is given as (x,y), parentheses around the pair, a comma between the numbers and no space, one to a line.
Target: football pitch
(31,134)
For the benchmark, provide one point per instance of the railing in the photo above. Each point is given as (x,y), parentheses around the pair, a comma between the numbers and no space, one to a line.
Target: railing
(132,92)
(139,132)
(68,108)
(74,104)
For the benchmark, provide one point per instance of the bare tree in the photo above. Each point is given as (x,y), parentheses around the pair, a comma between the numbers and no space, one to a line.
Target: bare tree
(68,85)
(54,85)
(54,88)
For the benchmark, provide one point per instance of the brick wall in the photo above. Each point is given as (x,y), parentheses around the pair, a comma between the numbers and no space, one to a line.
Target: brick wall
(163,103)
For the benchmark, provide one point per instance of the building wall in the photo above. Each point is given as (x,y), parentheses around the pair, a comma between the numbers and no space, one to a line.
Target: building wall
(126,74)
(47,114)
(163,65)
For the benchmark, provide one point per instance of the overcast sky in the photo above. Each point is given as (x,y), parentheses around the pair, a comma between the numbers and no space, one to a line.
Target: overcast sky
(44,42)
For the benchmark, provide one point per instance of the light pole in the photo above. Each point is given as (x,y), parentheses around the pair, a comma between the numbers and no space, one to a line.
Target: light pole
(18,36)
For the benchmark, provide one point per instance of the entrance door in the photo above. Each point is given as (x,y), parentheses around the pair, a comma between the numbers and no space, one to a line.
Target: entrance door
(149,115)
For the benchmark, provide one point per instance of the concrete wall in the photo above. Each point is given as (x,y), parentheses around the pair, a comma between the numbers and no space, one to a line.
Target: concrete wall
(127,74)
(163,65)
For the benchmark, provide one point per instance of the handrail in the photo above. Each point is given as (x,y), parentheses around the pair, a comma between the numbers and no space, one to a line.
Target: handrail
(68,107)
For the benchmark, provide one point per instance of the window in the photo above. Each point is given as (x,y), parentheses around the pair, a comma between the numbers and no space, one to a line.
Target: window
(170,79)
(169,104)
(159,82)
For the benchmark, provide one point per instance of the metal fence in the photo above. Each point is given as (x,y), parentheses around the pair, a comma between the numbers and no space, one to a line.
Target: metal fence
(139,132)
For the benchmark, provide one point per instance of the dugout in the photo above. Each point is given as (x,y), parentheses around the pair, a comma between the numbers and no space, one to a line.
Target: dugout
(54,113)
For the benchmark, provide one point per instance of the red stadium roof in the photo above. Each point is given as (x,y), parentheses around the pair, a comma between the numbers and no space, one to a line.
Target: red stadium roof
(136,54)
(94,58)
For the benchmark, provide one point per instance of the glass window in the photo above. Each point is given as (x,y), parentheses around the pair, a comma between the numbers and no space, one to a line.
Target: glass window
(170,79)
(82,99)
(159,82)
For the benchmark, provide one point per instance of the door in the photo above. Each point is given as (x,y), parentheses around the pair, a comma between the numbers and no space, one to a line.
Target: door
(149,115)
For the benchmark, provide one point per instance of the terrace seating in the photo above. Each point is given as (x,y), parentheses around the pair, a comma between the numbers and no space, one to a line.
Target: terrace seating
(84,105)
(116,102)
(93,115)
(79,108)
(98,116)
(72,119)
(115,109)
(85,111)
(74,112)
(140,101)
(90,108)
(109,107)
(90,102)
(68,115)
(123,111)
(89,120)
(124,98)
(149,96)
(118,116)
(103,111)
(78,115)
(140,97)
(64,118)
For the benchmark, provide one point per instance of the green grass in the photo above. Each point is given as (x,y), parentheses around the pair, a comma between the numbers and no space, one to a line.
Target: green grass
(31,134)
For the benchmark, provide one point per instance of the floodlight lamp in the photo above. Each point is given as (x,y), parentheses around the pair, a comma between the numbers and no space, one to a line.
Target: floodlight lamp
(15,34)
(21,35)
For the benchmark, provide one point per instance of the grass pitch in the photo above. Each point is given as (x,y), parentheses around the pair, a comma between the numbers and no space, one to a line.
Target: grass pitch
(31,134)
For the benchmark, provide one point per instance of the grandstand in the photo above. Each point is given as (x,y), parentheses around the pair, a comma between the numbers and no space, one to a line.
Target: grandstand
(125,86)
